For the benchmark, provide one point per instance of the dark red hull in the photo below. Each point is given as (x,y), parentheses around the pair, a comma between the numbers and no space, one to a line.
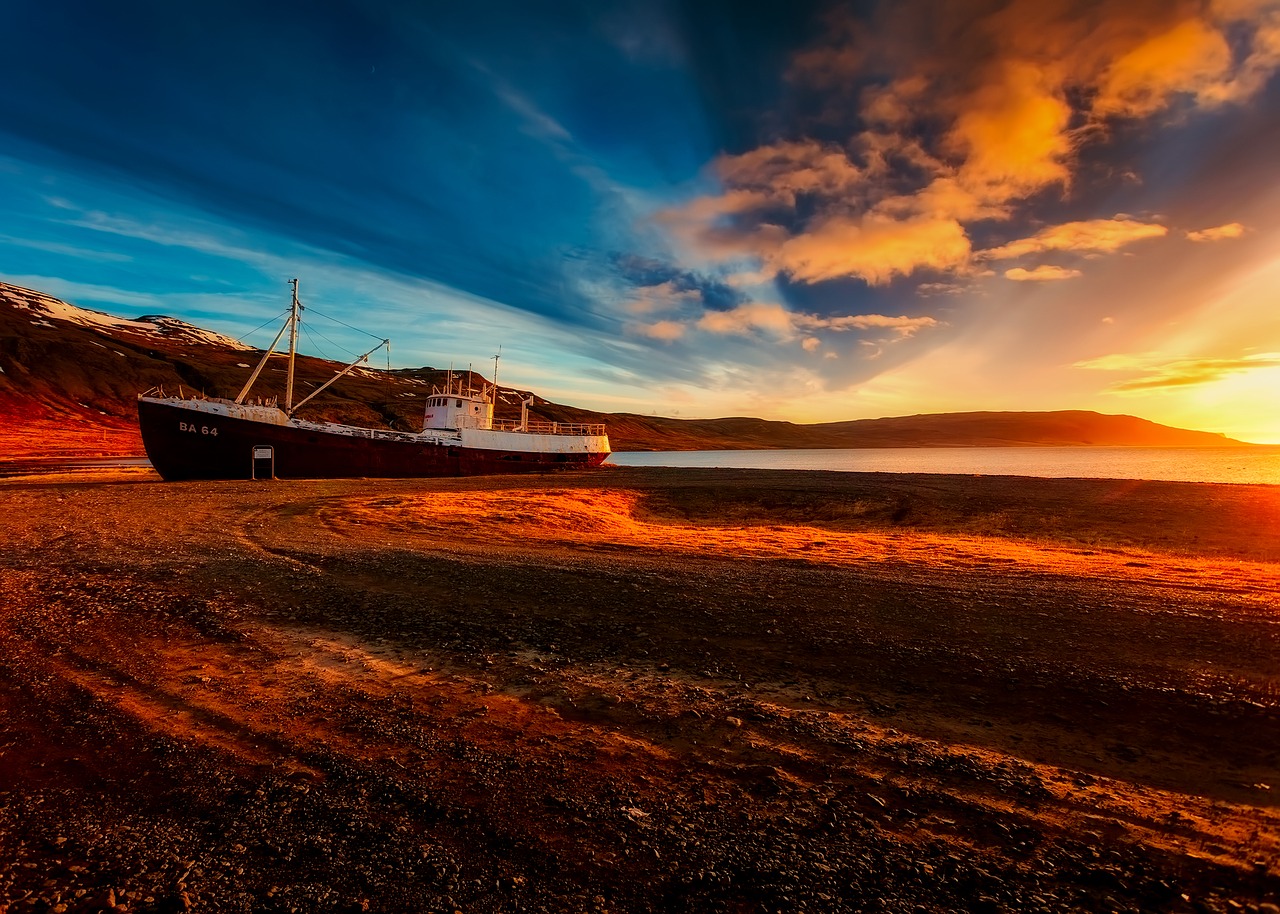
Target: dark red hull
(185,444)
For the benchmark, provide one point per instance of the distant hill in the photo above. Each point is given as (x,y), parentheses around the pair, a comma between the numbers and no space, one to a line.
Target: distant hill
(69,378)
(977,429)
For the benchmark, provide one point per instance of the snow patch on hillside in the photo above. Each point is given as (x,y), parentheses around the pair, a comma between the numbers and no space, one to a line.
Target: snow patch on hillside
(46,306)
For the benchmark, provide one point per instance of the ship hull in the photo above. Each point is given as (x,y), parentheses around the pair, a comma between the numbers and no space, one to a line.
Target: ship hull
(184,443)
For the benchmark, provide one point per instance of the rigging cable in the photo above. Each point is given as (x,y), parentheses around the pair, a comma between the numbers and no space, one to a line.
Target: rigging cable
(332,342)
(345,324)
(272,320)
(314,344)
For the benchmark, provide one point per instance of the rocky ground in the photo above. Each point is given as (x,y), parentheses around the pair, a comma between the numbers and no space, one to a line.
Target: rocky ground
(639,690)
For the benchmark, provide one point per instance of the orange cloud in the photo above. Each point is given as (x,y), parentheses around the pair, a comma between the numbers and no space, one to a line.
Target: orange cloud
(784,171)
(776,320)
(1257,24)
(980,110)
(1218,233)
(1103,236)
(1042,273)
(1192,57)
(904,326)
(874,248)
(1159,374)
(666,331)
(1011,134)
(748,317)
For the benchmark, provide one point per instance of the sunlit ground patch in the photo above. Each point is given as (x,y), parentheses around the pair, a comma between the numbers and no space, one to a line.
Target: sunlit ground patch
(620,520)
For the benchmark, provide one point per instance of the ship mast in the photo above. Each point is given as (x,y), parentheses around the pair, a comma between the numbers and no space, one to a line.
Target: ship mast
(295,309)
(244,392)
(360,359)
(494,399)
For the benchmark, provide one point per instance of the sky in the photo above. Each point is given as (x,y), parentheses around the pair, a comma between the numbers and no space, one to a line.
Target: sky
(803,211)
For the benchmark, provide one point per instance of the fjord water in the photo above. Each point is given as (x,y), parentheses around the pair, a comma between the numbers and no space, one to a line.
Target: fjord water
(1257,464)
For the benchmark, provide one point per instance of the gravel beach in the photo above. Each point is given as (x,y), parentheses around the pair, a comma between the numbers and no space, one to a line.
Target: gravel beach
(639,690)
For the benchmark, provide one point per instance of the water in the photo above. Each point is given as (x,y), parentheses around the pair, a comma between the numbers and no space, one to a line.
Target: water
(1259,464)
(46,465)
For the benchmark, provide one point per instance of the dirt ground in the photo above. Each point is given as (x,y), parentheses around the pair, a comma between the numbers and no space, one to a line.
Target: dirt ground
(639,690)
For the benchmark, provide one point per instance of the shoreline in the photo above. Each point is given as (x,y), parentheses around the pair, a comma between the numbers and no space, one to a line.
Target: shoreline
(1251,464)
(20,466)
(640,690)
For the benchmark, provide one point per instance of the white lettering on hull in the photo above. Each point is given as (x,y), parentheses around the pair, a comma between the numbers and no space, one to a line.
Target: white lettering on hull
(192,428)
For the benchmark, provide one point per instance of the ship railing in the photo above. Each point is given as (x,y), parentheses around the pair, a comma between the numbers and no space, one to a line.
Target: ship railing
(548,428)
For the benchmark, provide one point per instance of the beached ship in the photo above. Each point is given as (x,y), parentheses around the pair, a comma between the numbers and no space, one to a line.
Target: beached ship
(189,437)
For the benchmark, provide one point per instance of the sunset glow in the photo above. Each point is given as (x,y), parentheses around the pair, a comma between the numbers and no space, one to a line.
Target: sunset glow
(815,212)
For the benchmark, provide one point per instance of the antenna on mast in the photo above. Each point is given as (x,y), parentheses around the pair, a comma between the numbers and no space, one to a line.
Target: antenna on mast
(295,310)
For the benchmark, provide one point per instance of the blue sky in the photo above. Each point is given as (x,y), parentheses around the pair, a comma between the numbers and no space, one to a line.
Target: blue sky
(804,211)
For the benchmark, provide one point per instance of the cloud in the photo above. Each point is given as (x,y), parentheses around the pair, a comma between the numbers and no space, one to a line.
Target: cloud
(1118,362)
(935,119)
(777,321)
(939,288)
(1192,57)
(904,326)
(536,122)
(874,248)
(75,292)
(1158,373)
(767,316)
(659,284)
(1010,136)
(665,331)
(79,252)
(1101,236)
(769,189)
(786,171)
(665,296)
(1042,273)
(1218,233)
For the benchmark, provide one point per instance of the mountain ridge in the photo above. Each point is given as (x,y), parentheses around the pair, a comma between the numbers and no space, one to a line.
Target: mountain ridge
(69,378)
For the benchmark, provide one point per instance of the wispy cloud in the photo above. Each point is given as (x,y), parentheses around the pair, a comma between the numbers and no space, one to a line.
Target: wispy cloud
(902,326)
(169,233)
(537,122)
(751,316)
(1156,373)
(75,292)
(940,288)
(1218,233)
(665,330)
(1043,273)
(659,285)
(1094,236)
(783,324)
(665,296)
(79,252)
